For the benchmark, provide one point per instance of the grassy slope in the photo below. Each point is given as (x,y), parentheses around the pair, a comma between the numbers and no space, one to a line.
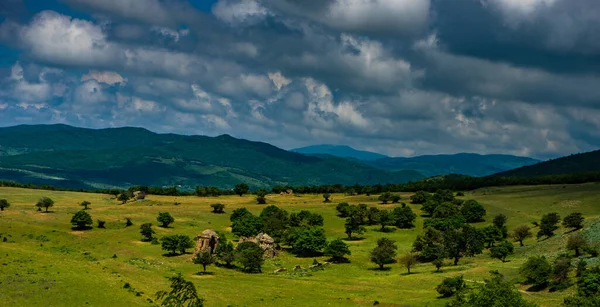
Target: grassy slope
(76,267)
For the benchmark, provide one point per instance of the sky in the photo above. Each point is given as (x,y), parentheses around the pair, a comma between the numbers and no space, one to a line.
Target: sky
(399,77)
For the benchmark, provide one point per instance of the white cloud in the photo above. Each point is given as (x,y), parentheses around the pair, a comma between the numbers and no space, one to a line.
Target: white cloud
(108,77)
(90,93)
(279,80)
(235,12)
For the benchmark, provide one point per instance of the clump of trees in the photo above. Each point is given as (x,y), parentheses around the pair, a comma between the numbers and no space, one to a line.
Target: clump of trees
(337,250)
(165,219)
(588,289)
(450,286)
(573,220)
(250,256)
(147,232)
(81,220)
(176,243)
(241,189)
(495,292)
(4,204)
(44,202)
(218,208)
(537,271)
(548,225)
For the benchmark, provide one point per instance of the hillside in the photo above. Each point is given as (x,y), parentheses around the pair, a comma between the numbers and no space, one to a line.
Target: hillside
(578,163)
(72,157)
(340,151)
(463,163)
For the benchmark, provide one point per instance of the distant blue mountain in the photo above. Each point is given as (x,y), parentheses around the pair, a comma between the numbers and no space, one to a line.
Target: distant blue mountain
(340,151)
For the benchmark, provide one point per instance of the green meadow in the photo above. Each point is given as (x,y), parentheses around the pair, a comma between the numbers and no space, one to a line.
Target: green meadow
(45,263)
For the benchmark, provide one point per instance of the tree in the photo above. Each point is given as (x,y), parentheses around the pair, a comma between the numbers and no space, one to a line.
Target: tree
(305,218)
(218,208)
(176,243)
(445,210)
(458,243)
(183,293)
(147,232)
(225,252)
(261,196)
(429,206)
(250,256)
(337,250)
(81,220)
(128,222)
(275,221)
(124,196)
(309,241)
(420,197)
(165,219)
(491,234)
(441,196)
(395,198)
(205,259)
(574,220)
(384,218)
(472,211)
(384,253)
(404,217)
(502,250)
(450,286)
(385,197)
(430,244)
(343,209)
(241,189)
(560,273)
(500,220)
(536,270)
(548,224)
(372,216)
(353,225)
(576,243)
(4,204)
(247,226)
(85,204)
(408,260)
(438,263)
(45,202)
(521,233)
(239,213)
(101,224)
(495,292)
(326,196)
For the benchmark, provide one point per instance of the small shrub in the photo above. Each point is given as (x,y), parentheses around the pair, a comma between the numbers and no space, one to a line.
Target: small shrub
(101,224)
(218,208)
(450,286)
(128,222)
(165,219)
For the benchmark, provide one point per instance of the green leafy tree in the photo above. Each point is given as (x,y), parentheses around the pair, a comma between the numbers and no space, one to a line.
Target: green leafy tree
(205,259)
(239,213)
(499,220)
(226,253)
(395,198)
(353,225)
(147,232)
(466,241)
(430,244)
(588,289)
(560,273)
(548,224)
(438,263)
(326,196)
(502,250)
(250,256)
(183,294)
(165,219)
(445,210)
(491,235)
(574,220)
(247,226)
(241,189)
(385,218)
(81,220)
(442,196)
(521,233)
(429,206)
(408,261)
(274,222)
(372,216)
(4,204)
(176,243)
(420,197)
(536,270)
(124,196)
(384,253)
(309,241)
(305,218)
(385,197)
(85,204)
(495,292)
(217,208)
(576,243)
(261,196)
(337,250)
(45,202)
(450,286)
(128,222)
(472,211)
(404,217)
(343,209)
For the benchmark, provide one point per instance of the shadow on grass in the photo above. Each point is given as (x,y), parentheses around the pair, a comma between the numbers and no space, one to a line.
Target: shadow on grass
(378,269)
(173,254)
(536,288)
(338,260)
(354,239)
(81,228)
(406,273)
(224,265)
(204,273)
(386,230)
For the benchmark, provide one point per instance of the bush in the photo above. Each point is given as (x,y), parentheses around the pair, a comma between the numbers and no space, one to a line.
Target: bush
(128,222)
(261,196)
(337,250)
(502,251)
(308,241)
(548,224)
(384,253)
(250,256)
(576,243)
(472,211)
(218,208)
(537,271)
(574,220)
(81,220)
(165,219)
(44,202)
(101,224)
(451,286)
(176,243)
(183,293)
(4,204)
(495,292)
(385,197)
(326,196)
(420,197)
(404,217)
(247,226)
(147,232)
(343,209)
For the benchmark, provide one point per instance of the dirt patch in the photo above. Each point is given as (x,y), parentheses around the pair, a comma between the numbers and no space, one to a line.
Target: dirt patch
(570,203)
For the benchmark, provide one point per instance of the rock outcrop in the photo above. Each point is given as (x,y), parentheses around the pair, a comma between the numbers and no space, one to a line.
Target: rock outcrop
(265,242)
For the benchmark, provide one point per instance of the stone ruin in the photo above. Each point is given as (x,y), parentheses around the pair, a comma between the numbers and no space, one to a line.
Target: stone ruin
(207,241)
(287,192)
(139,195)
(265,242)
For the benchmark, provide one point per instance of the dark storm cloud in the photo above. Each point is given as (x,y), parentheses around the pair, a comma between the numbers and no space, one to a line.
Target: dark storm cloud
(402,77)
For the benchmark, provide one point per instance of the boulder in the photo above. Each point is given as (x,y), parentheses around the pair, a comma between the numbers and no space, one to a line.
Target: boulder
(265,242)
(139,195)
(280,270)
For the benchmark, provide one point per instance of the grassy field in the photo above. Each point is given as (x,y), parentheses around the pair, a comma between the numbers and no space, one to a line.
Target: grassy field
(45,263)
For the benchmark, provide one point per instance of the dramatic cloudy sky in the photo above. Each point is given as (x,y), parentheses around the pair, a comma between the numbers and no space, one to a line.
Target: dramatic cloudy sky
(401,77)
